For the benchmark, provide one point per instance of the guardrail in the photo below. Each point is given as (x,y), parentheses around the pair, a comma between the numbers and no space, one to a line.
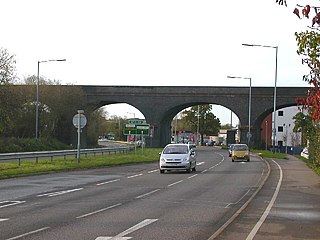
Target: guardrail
(62,153)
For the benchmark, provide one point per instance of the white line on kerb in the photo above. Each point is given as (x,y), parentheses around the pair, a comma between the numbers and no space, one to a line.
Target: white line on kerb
(268,209)
(115,180)
(100,210)
(29,233)
(175,183)
(135,175)
(149,193)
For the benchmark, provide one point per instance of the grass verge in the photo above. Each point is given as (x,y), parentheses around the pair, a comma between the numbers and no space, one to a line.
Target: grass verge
(269,154)
(310,164)
(30,167)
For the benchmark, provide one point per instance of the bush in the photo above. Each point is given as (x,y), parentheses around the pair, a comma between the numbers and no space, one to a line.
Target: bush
(8,145)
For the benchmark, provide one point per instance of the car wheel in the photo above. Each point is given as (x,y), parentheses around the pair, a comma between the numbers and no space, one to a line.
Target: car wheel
(248,160)
(232,160)
(161,171)
(194,169)
(189,170)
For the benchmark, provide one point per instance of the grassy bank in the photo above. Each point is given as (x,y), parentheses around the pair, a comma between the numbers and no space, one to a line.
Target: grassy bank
(29,167)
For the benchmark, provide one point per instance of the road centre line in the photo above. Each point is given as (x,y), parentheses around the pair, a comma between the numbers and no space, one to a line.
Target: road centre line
(175,183)
(4,219)
(29,233)
(100,210)
(149,193)
(135,175)
(194,175)
(200,163)
(112,181)
(152,171)
(52,194)
(136,227)
(10,203)
(204,171)
(268,209)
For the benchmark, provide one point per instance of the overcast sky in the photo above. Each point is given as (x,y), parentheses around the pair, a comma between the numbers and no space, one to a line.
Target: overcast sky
(158,43)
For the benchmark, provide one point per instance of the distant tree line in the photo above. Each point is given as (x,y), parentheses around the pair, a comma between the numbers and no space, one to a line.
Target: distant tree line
(57,106)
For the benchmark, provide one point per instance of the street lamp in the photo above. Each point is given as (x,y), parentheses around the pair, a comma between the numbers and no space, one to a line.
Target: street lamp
(249,124)
(38,79)
(275,91)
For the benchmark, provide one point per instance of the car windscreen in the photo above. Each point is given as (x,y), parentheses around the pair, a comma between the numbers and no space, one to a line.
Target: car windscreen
(240,147)
(176,150)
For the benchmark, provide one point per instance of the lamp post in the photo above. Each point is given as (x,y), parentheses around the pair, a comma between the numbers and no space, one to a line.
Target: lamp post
(275,91)
(37,102)
(249,107)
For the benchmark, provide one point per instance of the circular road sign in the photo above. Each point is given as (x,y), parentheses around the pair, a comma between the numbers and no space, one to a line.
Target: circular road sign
(83,120)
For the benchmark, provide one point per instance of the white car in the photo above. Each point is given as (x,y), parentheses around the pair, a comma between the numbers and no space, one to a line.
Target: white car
(178,157)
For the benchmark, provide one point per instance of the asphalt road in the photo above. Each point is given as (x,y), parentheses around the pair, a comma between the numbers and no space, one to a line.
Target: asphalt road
(130,202)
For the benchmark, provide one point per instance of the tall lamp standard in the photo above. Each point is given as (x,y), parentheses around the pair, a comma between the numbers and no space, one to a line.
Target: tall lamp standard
(249,122)
(274,94)
(38,80)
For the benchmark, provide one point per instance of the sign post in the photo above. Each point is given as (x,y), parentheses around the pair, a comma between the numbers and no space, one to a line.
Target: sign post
(79,121)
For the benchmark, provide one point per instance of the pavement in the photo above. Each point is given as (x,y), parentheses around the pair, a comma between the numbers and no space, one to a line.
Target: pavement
(295,213)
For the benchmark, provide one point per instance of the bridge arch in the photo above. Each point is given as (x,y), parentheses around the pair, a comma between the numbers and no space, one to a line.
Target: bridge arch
(160,104)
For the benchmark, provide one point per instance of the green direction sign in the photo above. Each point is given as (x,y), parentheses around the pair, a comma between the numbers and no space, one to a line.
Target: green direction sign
(141,129)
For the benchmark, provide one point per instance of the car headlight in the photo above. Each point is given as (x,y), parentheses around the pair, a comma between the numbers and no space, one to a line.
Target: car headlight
(185,159)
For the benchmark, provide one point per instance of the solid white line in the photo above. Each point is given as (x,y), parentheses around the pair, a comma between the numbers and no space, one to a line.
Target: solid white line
(175,183)
(101,210)
(136,227)
(115,180)
(135,175)
(29,233)
(146,194)
(268,209)
(152,171)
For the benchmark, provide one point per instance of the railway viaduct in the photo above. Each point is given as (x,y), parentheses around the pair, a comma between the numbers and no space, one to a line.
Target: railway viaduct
(159,104)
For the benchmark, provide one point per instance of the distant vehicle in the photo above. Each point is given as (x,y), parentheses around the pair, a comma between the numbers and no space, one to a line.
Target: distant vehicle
(305,153)
(178,157)
(240,151)
(210,143)
(230,150)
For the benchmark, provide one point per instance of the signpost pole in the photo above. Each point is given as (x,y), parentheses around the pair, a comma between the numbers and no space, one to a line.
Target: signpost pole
(79,131)
(142,140)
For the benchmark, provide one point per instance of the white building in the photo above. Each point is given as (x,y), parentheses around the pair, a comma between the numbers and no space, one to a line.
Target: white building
(284,127)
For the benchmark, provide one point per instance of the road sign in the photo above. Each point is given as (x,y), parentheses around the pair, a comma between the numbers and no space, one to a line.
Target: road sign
(139,129)
(143,129)
(83,120)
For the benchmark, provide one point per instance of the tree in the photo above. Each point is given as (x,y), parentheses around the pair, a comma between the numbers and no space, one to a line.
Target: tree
(7,67)
(309,48)
(209,124)
(8,97)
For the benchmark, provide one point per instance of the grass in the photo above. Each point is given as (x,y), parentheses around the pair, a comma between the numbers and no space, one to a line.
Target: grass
(269,154)
(310,164)
(30,167)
